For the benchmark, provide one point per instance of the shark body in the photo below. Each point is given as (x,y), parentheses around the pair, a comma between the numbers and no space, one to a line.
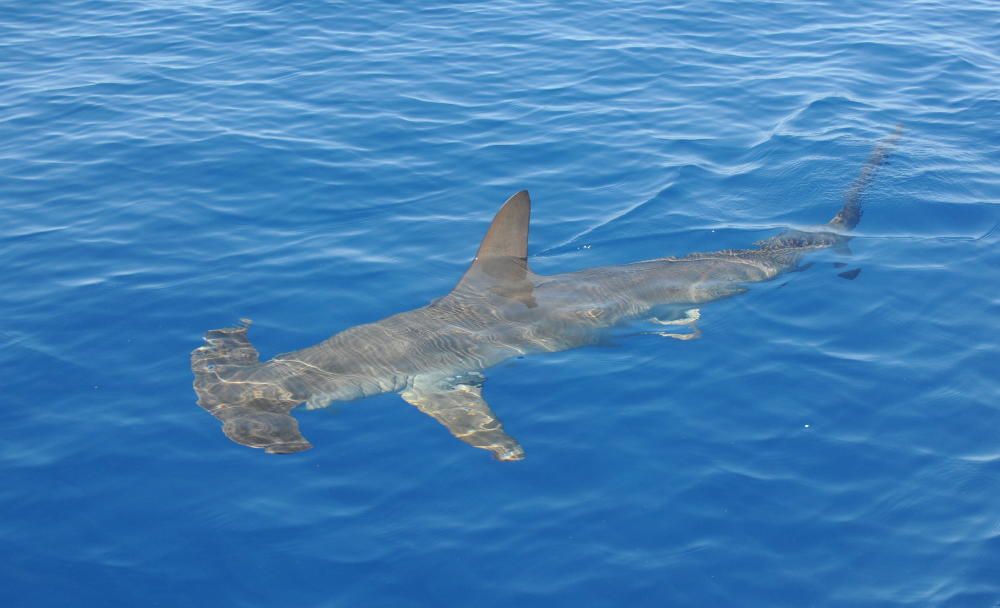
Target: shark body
(434,356)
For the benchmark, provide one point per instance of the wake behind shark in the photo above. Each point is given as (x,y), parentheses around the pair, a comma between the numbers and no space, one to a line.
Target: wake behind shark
(434,356)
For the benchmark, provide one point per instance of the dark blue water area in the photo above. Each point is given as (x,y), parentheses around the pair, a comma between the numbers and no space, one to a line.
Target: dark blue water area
(169,167)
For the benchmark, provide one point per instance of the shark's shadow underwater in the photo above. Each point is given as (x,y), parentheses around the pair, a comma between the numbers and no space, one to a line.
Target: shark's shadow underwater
(433,356)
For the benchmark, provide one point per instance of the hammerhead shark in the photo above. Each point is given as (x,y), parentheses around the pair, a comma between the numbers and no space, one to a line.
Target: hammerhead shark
(434,356)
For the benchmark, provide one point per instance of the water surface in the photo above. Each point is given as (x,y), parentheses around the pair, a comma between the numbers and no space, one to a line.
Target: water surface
(170,167)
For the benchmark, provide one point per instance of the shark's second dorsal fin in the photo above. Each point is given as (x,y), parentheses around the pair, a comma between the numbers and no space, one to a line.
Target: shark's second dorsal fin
(501,263)
(508,234)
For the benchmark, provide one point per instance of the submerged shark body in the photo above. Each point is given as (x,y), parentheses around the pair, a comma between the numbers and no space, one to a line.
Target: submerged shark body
(433,356)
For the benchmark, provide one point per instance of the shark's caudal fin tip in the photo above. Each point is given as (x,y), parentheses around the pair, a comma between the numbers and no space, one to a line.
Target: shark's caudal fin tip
(850,214)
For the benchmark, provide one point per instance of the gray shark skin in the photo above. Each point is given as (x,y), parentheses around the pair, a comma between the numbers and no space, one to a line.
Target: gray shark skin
(434,356)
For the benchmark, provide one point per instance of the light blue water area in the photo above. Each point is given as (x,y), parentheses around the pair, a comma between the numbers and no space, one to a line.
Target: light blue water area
(169,167)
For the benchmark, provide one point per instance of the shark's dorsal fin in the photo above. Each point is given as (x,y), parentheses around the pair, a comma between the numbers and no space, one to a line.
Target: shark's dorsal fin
(501,264)
(508,234)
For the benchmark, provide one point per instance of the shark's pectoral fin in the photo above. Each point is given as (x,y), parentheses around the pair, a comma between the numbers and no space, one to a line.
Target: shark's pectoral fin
(461,408)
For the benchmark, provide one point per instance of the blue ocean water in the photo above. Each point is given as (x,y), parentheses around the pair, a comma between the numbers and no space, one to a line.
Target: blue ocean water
(170,167)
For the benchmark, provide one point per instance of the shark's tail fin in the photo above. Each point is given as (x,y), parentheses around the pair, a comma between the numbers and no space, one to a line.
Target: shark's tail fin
(850,214)
(253,410)
(834,233)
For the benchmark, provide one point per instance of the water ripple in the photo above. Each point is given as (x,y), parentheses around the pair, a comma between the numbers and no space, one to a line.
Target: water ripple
(170,167)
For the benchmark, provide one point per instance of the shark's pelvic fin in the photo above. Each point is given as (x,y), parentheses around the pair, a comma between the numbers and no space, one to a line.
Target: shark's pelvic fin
(461,408)
(690,320)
